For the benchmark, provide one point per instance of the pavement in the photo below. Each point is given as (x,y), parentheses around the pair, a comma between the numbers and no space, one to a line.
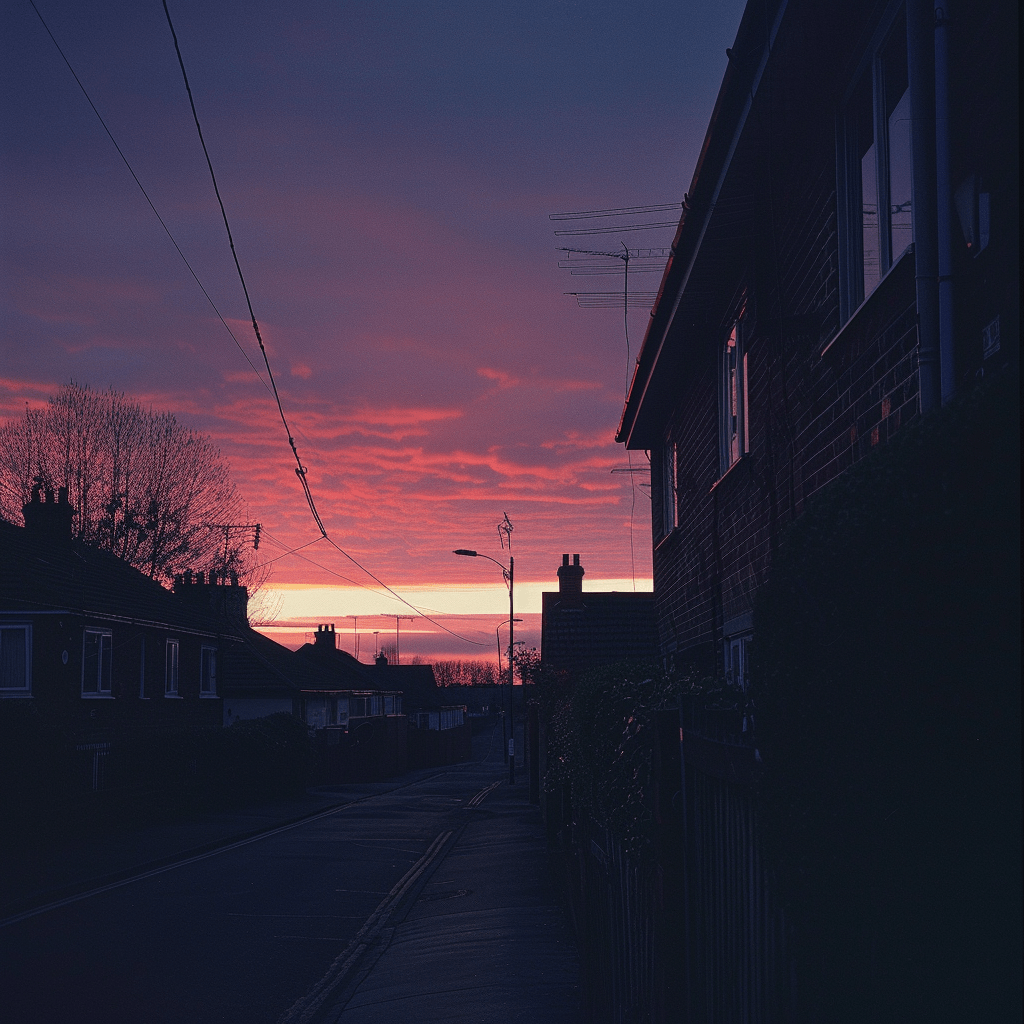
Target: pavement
(472,934)
(484,940)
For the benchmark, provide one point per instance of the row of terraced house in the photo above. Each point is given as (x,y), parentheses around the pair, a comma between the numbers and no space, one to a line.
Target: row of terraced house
(106,655)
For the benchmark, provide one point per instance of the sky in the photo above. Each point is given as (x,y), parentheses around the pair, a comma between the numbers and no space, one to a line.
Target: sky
(389,171)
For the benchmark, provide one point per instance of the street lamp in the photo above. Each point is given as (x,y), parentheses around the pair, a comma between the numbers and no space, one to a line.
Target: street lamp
(498,638)
(509,576)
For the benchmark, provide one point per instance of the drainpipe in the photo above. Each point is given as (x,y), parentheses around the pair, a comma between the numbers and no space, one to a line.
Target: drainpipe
(920,60)
(944,197)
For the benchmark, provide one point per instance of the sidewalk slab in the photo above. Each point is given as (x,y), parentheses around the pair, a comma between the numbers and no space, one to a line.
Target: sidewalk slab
(486,940)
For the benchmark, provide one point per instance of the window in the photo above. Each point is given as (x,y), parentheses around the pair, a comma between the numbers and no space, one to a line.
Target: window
(208,672)
(876,166)
(15,660)
(96,650)
(142,668)
(171,669)
(669,487)
(736,660)
(734,404)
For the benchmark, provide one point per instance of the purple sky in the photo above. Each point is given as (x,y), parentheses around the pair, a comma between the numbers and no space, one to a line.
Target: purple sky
(388,170)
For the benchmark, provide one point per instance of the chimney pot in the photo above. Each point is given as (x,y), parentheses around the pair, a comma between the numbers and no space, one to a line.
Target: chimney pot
(47,519)
(570,577)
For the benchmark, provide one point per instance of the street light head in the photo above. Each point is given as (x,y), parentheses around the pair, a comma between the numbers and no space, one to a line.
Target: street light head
(464,551)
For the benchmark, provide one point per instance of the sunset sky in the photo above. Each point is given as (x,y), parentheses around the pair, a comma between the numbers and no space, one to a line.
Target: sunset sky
(388,170)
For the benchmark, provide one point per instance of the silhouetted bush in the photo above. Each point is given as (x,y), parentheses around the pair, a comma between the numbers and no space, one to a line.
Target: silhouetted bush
(601,744)
(46,786)
(886,679)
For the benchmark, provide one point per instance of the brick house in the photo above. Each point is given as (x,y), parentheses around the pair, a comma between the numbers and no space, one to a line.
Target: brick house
(97,645)
(847,261)
(583,630)
(794,329)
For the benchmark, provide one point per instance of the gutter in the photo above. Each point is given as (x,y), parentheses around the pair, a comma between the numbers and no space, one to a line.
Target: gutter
(625,431)
(944,208)
(921,44)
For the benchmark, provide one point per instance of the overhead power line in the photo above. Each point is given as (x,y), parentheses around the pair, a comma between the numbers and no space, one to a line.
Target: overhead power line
(623,212)
(614,229)
(398,597)
(300,469)
(142,189)
(272,387)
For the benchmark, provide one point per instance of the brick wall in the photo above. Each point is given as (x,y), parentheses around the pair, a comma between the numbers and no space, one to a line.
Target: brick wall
(811,415)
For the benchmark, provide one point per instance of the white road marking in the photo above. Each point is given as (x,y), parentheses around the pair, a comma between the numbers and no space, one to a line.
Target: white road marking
(305,1009)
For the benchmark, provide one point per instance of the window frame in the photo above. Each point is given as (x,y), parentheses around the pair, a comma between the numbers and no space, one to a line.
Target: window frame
(736,659)
(869,74)
(104,667)
(25,628)
(172,668)
(208,656)
(669,487)
(142,669)
(733,417)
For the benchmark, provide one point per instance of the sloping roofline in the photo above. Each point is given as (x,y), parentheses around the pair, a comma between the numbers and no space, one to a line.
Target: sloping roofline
(747,61)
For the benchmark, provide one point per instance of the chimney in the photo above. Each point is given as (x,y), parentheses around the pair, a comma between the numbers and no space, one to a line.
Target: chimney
(325,639)
(217,592)
(49,519)
(570,577)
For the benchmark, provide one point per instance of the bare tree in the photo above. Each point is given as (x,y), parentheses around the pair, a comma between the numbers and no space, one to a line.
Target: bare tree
(144,487)
(465,673)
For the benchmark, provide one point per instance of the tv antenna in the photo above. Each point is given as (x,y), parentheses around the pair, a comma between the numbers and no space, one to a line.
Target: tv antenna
(228,527)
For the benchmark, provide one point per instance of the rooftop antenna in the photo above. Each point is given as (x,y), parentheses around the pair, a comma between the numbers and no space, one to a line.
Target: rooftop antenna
(610,300)
(505,529)
(398,634)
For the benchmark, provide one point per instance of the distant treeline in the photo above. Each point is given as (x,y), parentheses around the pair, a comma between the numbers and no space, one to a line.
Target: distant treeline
(464,673)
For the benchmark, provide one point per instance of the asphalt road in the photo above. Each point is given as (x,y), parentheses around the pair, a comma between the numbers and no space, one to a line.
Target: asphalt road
(238,936)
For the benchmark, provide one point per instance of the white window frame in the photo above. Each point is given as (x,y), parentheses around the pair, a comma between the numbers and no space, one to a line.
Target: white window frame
(8,633)
(208,671)
(669,487)
(734,399)
(870,78)
(104,640)
(172,655)
(142,669)
(737,660)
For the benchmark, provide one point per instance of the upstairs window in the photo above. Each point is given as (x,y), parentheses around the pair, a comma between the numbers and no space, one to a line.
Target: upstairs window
(96,651)
(737,659)
(208,672)
(876,165)
(733,402)
(669,487)
(171,669)
(15,663)
(142,668)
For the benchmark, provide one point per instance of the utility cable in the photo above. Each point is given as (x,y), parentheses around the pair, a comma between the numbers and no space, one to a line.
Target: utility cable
(629,454)
(300,470)
(142,188)
(399,597)
(419,611)
(272,387)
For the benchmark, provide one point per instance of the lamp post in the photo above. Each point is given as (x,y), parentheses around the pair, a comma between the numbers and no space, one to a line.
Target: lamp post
(498,638)
(509,577)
